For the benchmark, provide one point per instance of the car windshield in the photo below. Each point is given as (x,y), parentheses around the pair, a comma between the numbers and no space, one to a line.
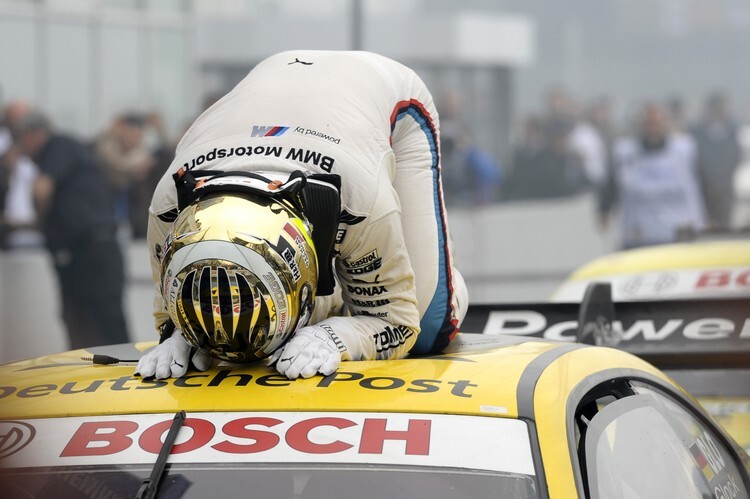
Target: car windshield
(685,459)
(264,482)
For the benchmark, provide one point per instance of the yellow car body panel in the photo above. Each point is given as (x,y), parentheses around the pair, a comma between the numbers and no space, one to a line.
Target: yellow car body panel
(481,376)
(693,270)
(478,383)
(669,257)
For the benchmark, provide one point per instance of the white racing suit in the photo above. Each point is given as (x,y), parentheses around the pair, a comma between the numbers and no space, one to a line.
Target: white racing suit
(372,121)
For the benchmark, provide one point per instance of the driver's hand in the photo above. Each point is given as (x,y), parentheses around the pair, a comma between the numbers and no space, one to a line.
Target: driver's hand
(171,358)
(311,350)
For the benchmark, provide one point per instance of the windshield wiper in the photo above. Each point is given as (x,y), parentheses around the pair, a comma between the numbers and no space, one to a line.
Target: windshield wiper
(150,485)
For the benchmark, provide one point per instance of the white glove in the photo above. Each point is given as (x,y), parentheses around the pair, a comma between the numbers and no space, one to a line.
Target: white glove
(171,358)
(311,350)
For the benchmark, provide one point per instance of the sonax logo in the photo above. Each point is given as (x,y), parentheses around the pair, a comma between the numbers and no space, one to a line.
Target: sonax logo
(14,436)
(268,131)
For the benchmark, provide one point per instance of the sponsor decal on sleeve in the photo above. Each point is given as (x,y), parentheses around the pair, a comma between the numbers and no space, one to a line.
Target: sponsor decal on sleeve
(368,263)
(391,337)
(370,303)
(373,290)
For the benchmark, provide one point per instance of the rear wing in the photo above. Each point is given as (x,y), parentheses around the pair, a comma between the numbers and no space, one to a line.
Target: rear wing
(705,333)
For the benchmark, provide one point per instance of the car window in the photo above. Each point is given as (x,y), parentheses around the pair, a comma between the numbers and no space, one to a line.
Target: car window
(646,445)
(264,482)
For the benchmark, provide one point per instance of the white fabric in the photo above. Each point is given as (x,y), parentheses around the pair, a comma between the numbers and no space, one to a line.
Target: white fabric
(338,109)
(311,350)
(6,141)
(658,189)
(171,358)
(19,204)
(587,142)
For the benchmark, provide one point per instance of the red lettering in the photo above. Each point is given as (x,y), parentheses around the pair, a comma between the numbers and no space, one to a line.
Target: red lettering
(374,435)
(744,278)
(713,279)
(113,433)
(264,440)
(152,439)
(298,436)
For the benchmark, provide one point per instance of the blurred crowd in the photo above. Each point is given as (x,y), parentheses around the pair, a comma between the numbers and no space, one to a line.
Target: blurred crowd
(663,173)
(128,159)
(78,199)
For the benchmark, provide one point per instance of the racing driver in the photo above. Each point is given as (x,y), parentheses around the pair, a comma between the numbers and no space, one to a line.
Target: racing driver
(302,222)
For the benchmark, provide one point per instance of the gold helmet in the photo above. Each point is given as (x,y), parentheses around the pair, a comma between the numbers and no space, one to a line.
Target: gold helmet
(239,274)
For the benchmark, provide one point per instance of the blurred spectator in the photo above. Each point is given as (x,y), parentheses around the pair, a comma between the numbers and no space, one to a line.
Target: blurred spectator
(655,183)
(79,228)
(586,141)
(18,227)
(719,154)
(527,153)
(544,166)
(470,174)
(558,105)
(130,167)
(600,115)
(677,112)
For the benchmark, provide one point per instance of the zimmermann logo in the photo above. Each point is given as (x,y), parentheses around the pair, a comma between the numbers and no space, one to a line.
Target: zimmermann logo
(14,436)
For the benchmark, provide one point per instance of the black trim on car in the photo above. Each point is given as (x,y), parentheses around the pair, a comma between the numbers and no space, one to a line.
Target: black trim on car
(525,398)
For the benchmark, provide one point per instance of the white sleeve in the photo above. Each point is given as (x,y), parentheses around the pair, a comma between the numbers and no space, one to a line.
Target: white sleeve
(156,235)
(377,287)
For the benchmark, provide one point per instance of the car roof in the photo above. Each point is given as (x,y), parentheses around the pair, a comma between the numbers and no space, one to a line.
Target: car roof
(477,375)
(689,255)
(690,270)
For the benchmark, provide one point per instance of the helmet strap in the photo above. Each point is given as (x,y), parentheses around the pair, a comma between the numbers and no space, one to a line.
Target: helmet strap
(185,182)
(321,200)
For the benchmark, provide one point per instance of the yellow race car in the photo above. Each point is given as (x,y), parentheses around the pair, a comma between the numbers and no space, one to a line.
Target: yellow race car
(705,280)
(493,416)
(691,270)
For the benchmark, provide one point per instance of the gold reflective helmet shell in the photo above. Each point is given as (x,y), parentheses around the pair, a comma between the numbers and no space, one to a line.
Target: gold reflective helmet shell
(239,274)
